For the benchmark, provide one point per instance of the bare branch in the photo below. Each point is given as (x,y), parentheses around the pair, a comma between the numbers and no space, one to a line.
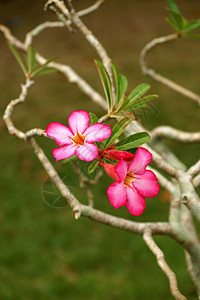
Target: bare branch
(90,9)
(67,71)
(169,83)
(175,134)
(196,180)
(10,107)
(195,169)
(147,236)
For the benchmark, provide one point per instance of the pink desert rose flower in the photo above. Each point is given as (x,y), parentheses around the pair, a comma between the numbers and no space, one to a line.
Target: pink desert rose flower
(133,183)
(79,138)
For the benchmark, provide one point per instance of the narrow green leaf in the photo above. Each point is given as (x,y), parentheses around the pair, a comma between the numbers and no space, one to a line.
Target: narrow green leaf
(116,75)
(117,130)
(124,101)
(172,23)
(44,72)
(123,83)
(141,102)
(93,166)
(93,118)
(43,66)
(30,58)
(173,6)
(137,93)
(106,82)
(18,58)
(179,20)
(192,25)
(133,141)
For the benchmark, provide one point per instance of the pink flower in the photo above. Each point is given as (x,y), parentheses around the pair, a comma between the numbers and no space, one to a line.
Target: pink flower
(78,139)
(134,183)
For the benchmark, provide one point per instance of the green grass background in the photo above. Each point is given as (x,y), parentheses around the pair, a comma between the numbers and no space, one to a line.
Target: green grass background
(44,252)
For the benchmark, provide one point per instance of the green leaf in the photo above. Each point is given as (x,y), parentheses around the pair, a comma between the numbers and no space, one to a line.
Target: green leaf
(122,103)
(44,72)
(141,102)
(43,66)
(172,23)
(106,82)
(93,166)
(116,75)
(93,118)
(117,130)
(173,6)
(123,83)
(179,20)
(133,141)
(30,58)
(137,93)
(18,58)
(192,25)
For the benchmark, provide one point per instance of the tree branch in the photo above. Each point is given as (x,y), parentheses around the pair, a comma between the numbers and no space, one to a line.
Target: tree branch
(147,236)
(175,134)
(169,83)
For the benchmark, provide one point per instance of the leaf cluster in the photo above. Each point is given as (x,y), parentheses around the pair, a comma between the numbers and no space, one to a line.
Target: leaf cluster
(179,23)
(122,106)
(29,66)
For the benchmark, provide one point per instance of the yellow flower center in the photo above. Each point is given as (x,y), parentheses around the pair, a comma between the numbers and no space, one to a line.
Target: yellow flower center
(78,139)
(129,178)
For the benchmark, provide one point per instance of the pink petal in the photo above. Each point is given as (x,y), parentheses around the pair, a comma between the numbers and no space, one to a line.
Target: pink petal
(117,194)
(97,133)
(60,133)
(146,184)
(79,121)
(121,169)
(140,161)
(63,152)
(87,152)
(135,202)
(118,155)
(110,170)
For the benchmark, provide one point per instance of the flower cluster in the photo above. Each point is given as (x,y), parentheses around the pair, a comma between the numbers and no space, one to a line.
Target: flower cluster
(132,181)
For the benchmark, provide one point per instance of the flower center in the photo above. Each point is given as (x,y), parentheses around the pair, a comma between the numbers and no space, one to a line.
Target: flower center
(129,178)
(78,139)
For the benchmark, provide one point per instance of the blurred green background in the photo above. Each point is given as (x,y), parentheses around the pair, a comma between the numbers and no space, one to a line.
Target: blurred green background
(44,252)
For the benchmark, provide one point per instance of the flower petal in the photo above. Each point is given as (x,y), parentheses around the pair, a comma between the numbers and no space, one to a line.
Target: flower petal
(121,169)
(60,133)
(140,161)
(117,194)
(87,152)
(110,170)
(116,154)
(78,121)
(97,132)
(63,152)
(146,184)
(135,202)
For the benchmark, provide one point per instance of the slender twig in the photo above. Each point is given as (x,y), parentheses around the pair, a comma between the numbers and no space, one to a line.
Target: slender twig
(175,134)
(90,9)
(89,36)
(147,236)
(169,83)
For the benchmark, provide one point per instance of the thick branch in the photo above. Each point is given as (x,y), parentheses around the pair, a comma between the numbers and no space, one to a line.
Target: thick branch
(163,265)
